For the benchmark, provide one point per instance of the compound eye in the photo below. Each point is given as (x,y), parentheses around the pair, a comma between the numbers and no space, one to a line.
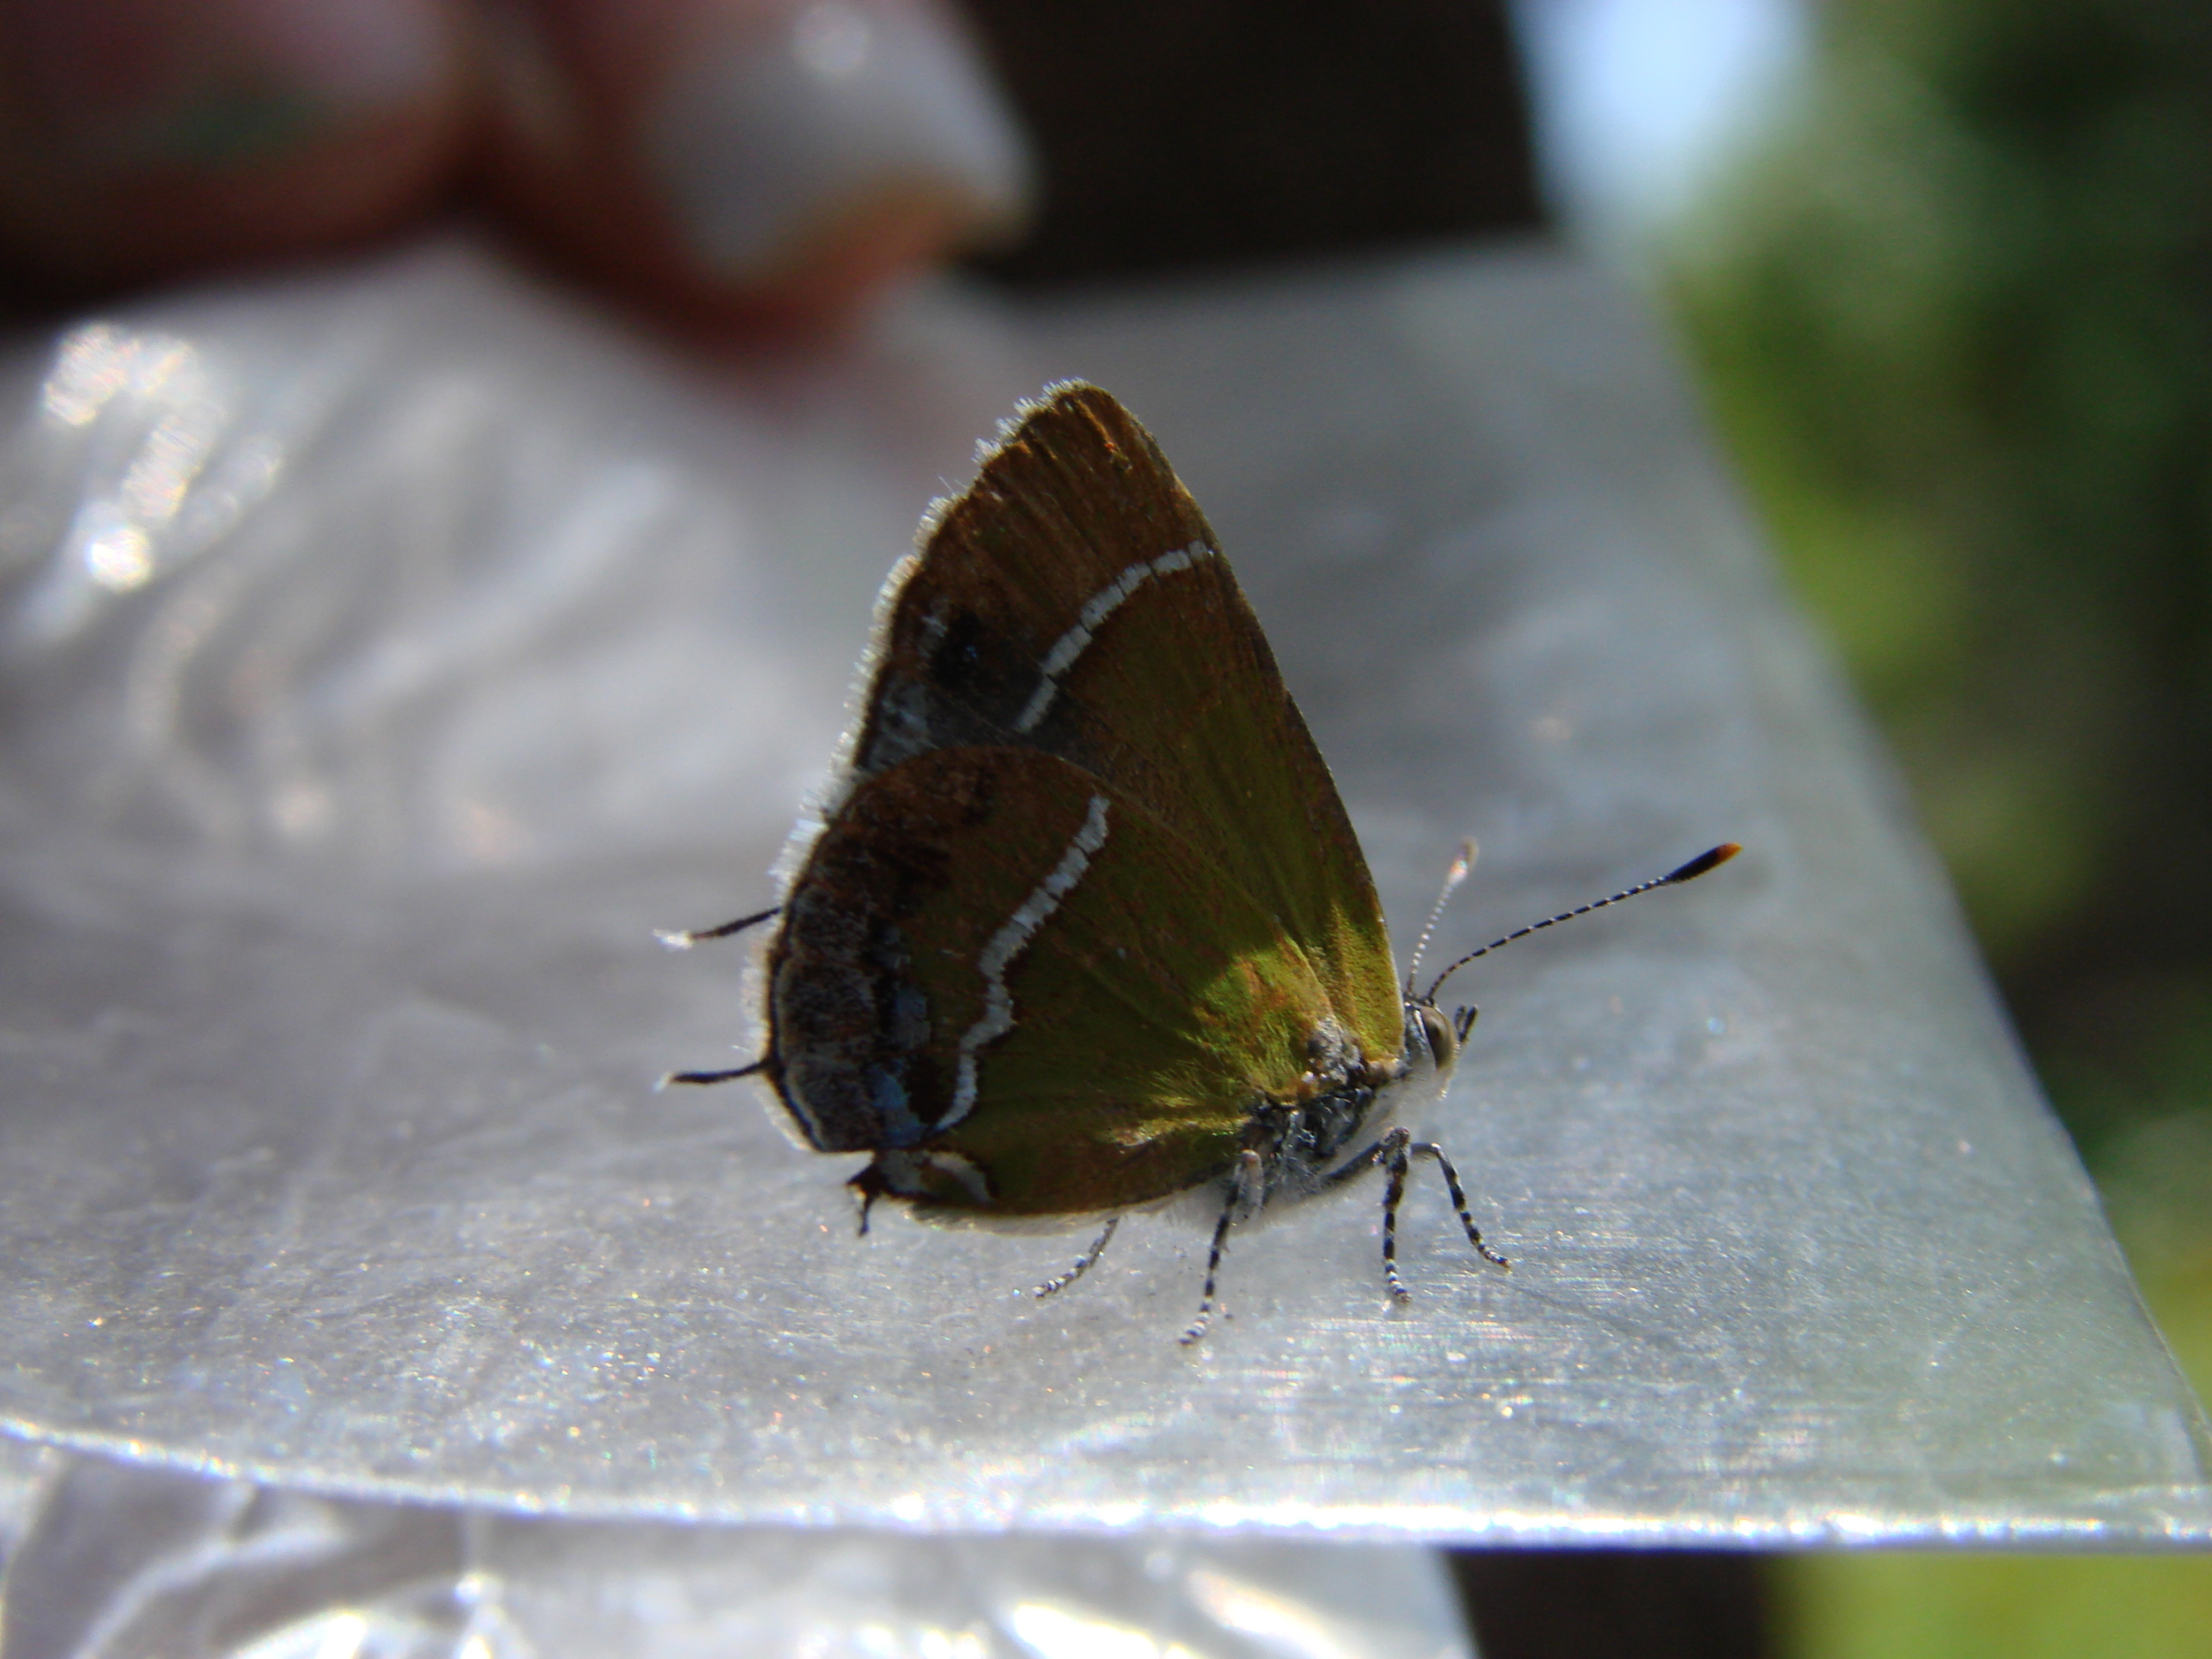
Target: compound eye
(1437,1030)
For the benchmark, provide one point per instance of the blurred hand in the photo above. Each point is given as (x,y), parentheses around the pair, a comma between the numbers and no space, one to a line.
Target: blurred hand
(724,164)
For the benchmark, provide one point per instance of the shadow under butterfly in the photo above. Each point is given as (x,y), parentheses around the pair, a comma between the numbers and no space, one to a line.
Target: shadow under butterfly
(1080,922)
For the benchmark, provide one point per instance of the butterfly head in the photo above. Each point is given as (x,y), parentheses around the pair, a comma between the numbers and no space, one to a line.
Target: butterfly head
(1434,1040)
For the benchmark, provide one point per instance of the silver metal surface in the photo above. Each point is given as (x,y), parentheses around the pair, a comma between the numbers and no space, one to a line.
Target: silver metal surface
(120,1560)
(387,656)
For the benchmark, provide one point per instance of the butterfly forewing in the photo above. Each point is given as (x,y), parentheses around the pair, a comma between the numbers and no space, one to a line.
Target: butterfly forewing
(1074,600)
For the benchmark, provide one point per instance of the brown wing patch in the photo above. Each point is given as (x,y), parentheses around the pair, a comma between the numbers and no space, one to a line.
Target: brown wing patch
(1071,541)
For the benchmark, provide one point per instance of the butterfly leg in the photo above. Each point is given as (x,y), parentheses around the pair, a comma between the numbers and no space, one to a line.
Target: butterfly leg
(1244,1196)
(1397,1163)
(1366,1158)
(1395,1152)
(1390,1152)
(1062,1281)
(1430,1149)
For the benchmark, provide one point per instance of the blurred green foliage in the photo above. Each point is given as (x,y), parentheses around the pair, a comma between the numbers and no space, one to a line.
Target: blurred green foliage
(1958,330)
(1956,327)
(2023,1607)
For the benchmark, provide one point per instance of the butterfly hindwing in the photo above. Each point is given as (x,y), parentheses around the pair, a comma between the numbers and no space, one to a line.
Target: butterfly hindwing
(1095,1016)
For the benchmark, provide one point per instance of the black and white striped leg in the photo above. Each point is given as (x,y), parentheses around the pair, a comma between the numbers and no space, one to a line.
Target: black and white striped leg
(1062,1281)
(1393,1195)
(1390,1152)
(1365,1159)
(1395,1152)
(1243,1194)
(1430,1149)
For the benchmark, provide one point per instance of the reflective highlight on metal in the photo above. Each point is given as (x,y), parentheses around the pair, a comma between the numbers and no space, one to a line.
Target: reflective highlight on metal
(108,1559)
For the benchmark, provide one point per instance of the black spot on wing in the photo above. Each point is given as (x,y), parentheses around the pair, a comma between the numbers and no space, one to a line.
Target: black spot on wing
(961,664)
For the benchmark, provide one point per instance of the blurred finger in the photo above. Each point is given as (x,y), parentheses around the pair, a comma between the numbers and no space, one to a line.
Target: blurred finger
(765,161)
(140,138)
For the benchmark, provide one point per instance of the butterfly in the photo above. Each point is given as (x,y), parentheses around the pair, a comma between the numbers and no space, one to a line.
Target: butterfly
(1079,922)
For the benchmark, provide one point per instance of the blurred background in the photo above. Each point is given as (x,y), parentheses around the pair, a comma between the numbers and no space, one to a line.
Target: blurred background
(1942,271)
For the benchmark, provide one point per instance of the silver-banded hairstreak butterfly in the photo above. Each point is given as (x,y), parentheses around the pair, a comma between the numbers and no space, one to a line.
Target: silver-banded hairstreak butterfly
(1080,922)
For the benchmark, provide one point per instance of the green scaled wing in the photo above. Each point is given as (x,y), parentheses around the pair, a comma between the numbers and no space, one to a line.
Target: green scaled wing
(1096,1014)
(1074,602)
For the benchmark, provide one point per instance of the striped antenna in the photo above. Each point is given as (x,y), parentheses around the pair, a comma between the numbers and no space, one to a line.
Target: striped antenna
(1710,860)
(1453,877)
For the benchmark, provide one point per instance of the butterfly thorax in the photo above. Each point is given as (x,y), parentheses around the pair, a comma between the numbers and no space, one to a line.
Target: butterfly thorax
(1301,1142)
